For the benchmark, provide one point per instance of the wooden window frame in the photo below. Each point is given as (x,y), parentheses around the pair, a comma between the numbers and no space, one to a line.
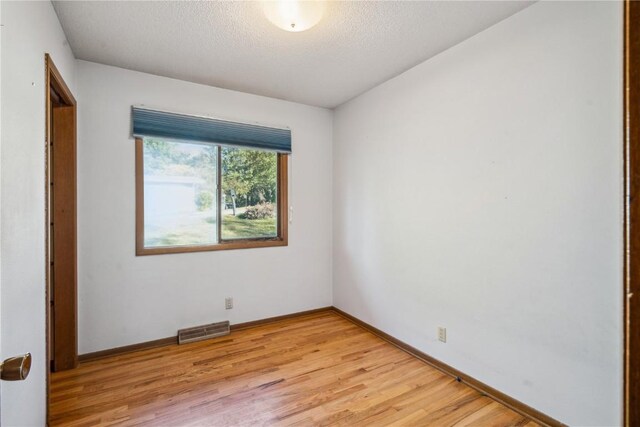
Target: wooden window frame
(282,238)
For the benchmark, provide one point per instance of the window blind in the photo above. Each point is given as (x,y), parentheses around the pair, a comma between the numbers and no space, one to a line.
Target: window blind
(182,127)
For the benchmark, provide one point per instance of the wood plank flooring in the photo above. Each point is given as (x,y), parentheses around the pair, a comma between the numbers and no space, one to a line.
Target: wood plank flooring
(318,369)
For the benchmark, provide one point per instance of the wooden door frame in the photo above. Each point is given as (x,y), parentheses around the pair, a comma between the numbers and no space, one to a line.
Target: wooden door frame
(631,213)
(65,321)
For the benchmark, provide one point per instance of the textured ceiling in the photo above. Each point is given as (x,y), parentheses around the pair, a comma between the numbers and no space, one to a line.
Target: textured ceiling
(356,46)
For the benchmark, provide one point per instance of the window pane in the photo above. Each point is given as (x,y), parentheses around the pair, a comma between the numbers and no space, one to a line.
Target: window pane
(179,193)
(249,193)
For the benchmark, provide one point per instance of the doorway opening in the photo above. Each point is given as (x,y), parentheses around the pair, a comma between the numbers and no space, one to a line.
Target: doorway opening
(60,214)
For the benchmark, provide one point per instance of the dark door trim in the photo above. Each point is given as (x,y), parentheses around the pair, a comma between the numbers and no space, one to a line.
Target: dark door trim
(632,213)
(60,223)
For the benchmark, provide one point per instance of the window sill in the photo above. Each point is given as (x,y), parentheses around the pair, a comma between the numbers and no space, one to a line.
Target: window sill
(223,246)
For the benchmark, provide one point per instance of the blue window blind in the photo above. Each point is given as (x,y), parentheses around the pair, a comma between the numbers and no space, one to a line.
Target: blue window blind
(181,127)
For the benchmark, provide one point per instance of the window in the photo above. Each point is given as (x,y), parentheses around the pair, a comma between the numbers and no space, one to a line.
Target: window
(200,196)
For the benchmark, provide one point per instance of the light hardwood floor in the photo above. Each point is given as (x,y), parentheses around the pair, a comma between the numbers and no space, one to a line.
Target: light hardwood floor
(318,369)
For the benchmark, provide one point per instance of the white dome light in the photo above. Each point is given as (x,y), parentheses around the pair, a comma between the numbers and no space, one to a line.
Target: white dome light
(294,15)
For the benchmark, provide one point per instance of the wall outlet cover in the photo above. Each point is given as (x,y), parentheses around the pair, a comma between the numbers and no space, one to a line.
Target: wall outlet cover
(442,334)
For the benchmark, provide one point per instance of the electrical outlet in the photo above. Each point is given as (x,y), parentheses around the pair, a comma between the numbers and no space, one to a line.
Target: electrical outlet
(228,303)
(442,334)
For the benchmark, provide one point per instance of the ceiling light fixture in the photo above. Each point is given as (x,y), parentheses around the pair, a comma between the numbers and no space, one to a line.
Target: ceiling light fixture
(294,15)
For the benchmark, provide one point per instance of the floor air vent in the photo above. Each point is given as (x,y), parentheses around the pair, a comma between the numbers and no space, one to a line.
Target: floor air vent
(204,332)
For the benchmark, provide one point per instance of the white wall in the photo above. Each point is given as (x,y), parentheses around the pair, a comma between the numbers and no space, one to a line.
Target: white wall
(29,30)
(0,203)
(482,191)
(124,299)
